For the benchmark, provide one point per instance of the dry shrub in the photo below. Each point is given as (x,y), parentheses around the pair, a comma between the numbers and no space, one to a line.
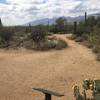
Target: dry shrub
(51,44)
(61,44)
(96,49)
(98,57)
(73,37)
(45,45)
(29,44)
(79,39)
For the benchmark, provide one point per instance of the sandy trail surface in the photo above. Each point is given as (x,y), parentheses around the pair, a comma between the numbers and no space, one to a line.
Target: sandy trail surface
(21,70)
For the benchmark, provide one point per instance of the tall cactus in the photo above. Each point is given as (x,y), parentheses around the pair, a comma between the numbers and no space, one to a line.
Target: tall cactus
(0,23)
(75,27)
(48,24)
(30,28)
(85,18)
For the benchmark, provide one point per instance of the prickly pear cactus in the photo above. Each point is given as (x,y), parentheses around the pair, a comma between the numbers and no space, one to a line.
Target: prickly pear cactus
(96,92)
(88,84)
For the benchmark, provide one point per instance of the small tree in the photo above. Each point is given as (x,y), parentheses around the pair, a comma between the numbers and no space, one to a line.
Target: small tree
(60,24)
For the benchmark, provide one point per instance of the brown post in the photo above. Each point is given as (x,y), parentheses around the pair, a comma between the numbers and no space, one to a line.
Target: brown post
(47,96)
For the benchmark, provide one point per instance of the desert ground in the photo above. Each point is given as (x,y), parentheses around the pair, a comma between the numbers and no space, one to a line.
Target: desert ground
(21,70)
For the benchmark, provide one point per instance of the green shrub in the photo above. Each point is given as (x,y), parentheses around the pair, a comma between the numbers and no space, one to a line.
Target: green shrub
(5,35)
(2,43)
(94,40)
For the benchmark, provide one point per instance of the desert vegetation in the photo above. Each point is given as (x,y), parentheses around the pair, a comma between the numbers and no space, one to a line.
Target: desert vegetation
(88,32)
(49,49)
(36,37)
(23,69)
(32,37)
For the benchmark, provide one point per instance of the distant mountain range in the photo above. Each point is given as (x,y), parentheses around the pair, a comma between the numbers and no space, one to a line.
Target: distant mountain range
(51,21)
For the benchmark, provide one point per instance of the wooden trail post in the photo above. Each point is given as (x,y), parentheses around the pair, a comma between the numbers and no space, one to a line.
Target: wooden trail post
(48,94)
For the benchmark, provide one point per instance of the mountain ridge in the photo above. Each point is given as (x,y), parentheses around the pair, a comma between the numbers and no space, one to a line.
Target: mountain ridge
(50,21)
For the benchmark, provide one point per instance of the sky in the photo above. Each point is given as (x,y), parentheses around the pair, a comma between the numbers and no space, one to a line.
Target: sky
(18,12)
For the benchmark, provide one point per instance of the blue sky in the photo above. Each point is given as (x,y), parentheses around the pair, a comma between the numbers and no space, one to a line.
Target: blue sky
(2,1)
(17,12)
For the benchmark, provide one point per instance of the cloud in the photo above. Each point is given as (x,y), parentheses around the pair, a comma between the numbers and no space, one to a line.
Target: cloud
(17,12)
(26,1)
(90,6)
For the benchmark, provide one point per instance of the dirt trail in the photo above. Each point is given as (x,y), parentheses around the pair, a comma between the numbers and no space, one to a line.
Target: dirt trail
(21,70)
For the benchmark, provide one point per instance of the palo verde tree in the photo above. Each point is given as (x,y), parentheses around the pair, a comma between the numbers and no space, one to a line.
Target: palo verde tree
(60,24)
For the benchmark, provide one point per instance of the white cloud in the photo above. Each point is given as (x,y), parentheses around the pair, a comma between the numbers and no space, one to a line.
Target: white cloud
(22,11)
(91,6)
(25,1)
